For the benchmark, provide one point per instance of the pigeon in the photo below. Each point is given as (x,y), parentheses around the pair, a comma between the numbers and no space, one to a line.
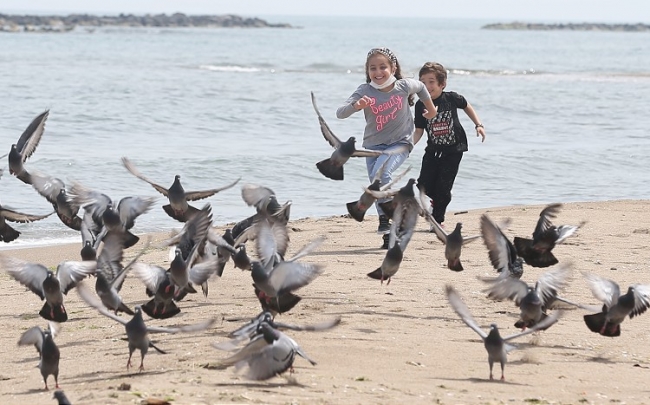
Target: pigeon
(101,214)
(533,301)
(7,232)
(536,252)
(60,396)
(501,251)
(136,330)
(26,146)
(407,209)
(389,265)
(160,287)
(615,306)
(53,189)
(275,276)
(496,346)
(110,273)
(357,209)
(249,330)
(332,167)
(269,353)
(266,204)
(178,208)
(47,285)
(47,349)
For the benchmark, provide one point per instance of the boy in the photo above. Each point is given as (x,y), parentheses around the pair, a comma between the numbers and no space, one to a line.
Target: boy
(446,139)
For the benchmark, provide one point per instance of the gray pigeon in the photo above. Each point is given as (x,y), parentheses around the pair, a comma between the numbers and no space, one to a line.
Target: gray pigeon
(275,276)
(47,285)
(615,306)
(391,262)
(249,330)
(47,349)
(110,273)
(60,396)
(357,209)
(7,233)
(26,146)
(266,203)
(268,354)
(178,208)
(533,301)
(136,330)
(407,209)
(53,189)
(496,346)
(501,251)
(332,167)
(536,252)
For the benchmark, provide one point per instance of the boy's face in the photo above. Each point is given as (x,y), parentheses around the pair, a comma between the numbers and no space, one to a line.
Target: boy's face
(433,87)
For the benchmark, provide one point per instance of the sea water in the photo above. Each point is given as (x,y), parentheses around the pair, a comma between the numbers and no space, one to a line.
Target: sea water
(565,113)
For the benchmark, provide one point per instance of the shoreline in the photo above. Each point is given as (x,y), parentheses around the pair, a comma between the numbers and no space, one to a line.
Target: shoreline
(41,243)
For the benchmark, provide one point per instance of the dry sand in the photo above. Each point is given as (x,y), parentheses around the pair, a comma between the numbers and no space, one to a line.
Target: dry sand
(397,343)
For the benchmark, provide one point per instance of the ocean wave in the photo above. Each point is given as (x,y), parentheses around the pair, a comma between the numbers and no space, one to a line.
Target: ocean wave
(232,68)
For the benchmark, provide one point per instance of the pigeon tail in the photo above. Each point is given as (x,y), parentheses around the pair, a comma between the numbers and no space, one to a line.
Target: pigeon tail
(280,304)
(55,313)
(356,212)
(180,216)
(597,323)
(9,234)
(162,311)
(455,265)
(376,274)
(156,348)
(533,257)
(330,170)
(122,307)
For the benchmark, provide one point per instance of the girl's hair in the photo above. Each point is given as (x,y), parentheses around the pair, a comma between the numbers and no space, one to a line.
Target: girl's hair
(392,59)
(438,71)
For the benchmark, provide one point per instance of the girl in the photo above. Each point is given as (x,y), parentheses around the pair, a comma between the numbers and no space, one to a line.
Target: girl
(385,99)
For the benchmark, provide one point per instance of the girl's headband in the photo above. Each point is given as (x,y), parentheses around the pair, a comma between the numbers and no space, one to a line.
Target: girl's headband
(386,52)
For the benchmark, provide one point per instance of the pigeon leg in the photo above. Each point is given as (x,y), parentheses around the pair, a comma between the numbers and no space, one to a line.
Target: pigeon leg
(45,380)
(491,365)
(503,378)
(128,363)
(388,282)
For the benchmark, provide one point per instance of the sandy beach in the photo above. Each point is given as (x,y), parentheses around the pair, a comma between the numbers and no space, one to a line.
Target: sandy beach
(397,343)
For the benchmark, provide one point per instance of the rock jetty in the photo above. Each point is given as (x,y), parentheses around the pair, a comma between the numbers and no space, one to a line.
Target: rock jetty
(53,23)
(568,27)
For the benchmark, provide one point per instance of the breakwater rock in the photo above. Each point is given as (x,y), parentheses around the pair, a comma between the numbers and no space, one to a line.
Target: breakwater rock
(54,23)
(568,27)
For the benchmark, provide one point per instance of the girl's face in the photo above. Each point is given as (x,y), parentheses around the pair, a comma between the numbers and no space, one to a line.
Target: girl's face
(379,68)
(433,87)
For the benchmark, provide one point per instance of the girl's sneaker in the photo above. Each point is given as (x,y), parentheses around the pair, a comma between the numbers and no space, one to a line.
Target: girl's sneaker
(384,225)
(385,239)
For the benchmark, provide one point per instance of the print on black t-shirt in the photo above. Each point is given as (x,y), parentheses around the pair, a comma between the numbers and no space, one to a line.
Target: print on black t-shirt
(441,129)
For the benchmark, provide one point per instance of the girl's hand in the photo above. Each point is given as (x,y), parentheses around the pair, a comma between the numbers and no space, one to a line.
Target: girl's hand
(362,103)
(428,115)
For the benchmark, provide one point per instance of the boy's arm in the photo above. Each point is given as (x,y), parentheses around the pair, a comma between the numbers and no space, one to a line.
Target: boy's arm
(417,135)
(480,131)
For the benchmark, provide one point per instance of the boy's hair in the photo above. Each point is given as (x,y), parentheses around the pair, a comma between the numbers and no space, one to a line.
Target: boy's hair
(437,69)
(392,59)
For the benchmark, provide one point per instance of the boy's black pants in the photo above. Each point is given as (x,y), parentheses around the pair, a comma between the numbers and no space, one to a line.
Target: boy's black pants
(437,176)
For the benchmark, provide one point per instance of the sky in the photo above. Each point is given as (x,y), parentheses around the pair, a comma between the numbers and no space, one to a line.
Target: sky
(624,11)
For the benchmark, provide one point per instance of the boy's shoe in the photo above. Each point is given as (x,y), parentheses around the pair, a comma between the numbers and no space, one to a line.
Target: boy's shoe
(384,225)
(385,238)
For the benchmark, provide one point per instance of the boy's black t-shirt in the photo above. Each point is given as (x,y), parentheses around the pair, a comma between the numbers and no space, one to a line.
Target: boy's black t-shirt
(445,133)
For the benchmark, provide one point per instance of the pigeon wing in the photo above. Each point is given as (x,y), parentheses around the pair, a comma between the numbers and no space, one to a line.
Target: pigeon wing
(32,135)
(70,273)
(31,275)
(606,291)
(199,195)
(15,216)
(290,276)
(461,309)
(131,168)
(329,136)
